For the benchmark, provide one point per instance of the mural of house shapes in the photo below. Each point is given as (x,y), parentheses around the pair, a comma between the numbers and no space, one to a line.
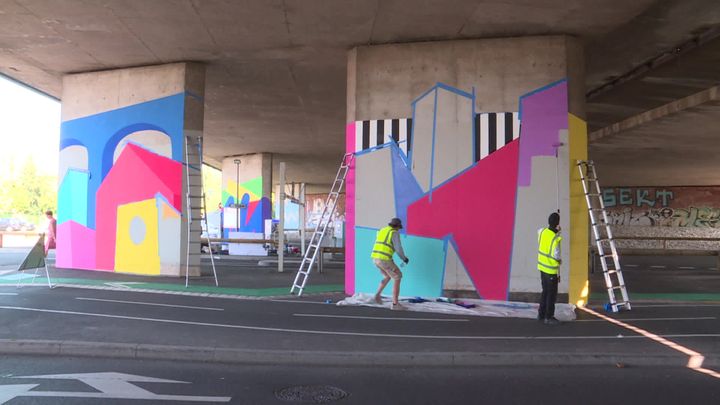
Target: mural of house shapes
(137,175)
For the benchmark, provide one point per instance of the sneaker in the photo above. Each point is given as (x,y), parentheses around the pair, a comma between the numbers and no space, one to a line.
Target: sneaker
(552,321)
(398,307)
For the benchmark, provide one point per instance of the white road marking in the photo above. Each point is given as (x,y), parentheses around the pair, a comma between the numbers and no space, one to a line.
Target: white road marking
(686,267)
(631,265)
(8,293)
(336,333)
(657,267)
(109,386)
(712,268)
(383,318)
(651,319)
(149,303)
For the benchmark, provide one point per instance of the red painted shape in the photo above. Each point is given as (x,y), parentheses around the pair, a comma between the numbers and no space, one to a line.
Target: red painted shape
(478,209)
(251,210)
(137,175)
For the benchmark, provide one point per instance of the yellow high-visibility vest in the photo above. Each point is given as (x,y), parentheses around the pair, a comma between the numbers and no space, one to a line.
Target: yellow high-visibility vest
(383,248)
(547,242)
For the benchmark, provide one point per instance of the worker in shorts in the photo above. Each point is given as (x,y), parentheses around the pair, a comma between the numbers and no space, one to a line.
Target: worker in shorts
(388,243)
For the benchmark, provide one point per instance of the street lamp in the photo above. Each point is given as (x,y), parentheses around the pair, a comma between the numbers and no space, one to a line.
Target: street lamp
(237,194)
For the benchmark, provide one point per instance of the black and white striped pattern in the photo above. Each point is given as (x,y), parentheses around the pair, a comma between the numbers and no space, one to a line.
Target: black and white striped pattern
(372,133)
(493,130)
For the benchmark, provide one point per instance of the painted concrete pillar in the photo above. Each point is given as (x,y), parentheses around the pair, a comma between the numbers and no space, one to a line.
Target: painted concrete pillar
(122,176)
(246,193)
(472,144)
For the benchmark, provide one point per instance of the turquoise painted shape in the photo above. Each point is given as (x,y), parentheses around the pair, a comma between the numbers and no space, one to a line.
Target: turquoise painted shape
(422,277)
(72,197)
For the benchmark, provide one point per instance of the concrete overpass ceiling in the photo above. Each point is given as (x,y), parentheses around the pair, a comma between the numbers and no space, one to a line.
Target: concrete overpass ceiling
(277,69)
(668,52)
(674,150)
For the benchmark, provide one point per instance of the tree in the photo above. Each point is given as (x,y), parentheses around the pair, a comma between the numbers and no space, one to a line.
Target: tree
(27,193)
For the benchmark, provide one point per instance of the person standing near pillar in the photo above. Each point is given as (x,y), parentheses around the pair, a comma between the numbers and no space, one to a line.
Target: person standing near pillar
(388,243)
(51,235)
(549,260)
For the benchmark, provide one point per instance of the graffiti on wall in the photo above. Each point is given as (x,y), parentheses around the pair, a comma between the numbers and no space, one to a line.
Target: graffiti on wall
(663,206)
(107,220)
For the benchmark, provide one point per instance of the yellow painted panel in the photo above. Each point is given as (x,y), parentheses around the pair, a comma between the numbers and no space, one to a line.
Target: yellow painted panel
(578,280)
(136,250)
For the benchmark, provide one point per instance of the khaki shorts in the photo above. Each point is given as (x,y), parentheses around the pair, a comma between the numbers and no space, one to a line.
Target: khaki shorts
(388,268)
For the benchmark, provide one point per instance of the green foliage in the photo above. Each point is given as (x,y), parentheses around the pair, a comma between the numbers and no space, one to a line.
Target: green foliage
(27,194)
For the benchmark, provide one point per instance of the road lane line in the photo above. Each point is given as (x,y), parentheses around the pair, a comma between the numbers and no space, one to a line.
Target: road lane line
(631,265)
(657,267)
(383,318)
(686,267)
(149,303)
(338,333)
(8,294)
(695,360)
(652,319)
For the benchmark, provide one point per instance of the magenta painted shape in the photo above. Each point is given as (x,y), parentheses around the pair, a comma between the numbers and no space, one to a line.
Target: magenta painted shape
(350,213)
(137,175)
(544,113)
(75,246)
(476,208)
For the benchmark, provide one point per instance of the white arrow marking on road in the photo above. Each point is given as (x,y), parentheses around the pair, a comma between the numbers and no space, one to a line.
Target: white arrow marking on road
(110,384)
(8,392)
(124,284)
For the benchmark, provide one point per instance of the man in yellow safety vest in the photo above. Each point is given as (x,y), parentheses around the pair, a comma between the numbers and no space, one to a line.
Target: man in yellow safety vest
(549,260)
(387,243)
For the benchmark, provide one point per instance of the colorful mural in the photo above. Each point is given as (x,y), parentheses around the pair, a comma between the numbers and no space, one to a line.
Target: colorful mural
(254,208)
(472,191)
(120,198)
(685,207)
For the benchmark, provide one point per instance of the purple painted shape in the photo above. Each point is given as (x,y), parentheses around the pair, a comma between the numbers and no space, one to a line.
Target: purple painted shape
(544,114)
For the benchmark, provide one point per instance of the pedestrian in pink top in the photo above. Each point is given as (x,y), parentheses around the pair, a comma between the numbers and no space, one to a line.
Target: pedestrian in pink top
(50,237)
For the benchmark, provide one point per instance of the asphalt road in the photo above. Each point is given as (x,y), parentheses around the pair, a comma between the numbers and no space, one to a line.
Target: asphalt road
(386,385)
(70,314)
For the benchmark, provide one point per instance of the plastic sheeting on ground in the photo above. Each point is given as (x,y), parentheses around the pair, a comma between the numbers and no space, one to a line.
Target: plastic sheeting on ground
(563,312)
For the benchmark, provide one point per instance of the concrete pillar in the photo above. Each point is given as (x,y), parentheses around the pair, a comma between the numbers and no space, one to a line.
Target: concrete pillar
(247,191)
(122,196)
(456,110)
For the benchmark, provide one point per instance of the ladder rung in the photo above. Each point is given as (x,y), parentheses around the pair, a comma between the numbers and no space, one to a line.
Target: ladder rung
(594,194)
(617,287)
(596,209)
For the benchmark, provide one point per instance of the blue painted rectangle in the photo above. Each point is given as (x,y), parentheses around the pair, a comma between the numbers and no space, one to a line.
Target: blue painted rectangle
(422,277)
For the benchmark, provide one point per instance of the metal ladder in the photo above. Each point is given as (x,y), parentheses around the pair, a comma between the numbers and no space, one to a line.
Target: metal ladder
(322,225)
(603,238)
(196,205)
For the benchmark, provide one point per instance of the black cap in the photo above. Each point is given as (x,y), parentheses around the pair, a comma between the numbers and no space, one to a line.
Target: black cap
(395,223)
(554,220)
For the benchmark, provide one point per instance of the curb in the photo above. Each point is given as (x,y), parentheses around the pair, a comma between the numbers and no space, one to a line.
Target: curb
(141,351)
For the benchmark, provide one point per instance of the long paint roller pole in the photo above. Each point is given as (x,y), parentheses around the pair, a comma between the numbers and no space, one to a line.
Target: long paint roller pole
(557,172)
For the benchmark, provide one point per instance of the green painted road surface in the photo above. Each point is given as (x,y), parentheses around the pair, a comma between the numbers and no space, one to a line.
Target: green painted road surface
(167,287)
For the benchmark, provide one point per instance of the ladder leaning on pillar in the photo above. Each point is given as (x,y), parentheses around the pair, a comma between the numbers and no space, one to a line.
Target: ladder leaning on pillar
(316,241)
(196,205)
(610,260)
